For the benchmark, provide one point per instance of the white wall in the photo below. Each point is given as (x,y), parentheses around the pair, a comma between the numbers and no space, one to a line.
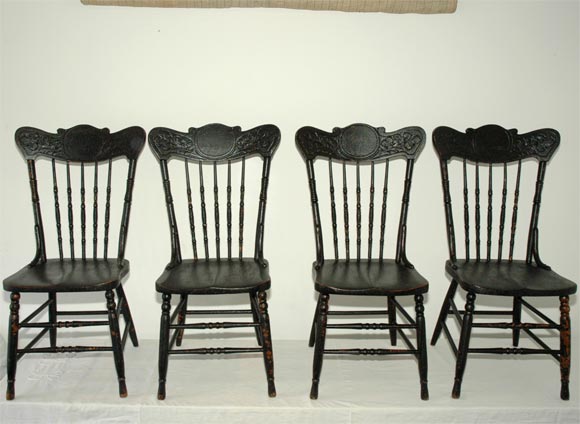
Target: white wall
(515,63)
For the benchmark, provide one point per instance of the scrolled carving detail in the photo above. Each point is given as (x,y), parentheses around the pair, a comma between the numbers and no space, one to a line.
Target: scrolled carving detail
(495,144)
(230,142)
(360,142)
(80,143)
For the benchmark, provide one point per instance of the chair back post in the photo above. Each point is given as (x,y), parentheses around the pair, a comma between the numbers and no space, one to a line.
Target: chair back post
(175,246)
(532,246)
(40,256)
(259,245)
(315,214)
(401,252)
(448,210)
(123,231)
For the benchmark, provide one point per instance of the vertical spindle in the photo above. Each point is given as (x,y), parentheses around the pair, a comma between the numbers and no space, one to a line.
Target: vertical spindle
(345,200)
(57,210)
(203,212)
(477,215)
(70,212)
(241,219)
(216,206)
(190,210)
(371,210)
(229,209)
(358,213)
(95,209)
(384,210)
(466,209)
(333,209)
(515,211)
(83,214)
(489,211)
(108,210)
(502,213)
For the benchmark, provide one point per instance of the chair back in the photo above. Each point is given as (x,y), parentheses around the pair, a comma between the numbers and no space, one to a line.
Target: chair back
(79,174)
(359,152)
(223,152)
(490,231)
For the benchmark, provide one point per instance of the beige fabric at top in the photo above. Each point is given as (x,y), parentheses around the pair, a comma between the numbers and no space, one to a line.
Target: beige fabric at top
(389,6)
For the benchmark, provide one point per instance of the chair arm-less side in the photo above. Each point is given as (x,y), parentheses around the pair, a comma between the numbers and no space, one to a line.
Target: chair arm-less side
(364,148)
(211,271)
(80,152)
(487,263)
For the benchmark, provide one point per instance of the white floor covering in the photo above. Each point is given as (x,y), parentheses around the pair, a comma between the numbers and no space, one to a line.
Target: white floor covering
(82,388)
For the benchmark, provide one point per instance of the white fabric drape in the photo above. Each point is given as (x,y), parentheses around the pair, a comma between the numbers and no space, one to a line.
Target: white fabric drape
(389,6)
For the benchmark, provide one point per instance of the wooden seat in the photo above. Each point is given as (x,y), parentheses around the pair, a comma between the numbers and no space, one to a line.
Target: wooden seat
(513,278)
(484,167)
(222,268)
(357,149)
(80,162)
(69,276)
(370,278)
(215,277)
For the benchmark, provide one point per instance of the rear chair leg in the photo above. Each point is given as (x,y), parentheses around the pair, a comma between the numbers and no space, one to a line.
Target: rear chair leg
(13,329)
(321,321)
(392,311)
(565,347)
(463,344)
(116,342)
(267,342)
(444,312)
(52,312)
(127,316)
(256,317)
(164,344)
(313,329)
(517,320)
(181,320)
(421,345)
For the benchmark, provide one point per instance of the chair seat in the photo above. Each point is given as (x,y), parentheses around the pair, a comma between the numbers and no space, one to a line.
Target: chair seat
(68,276)
(516,278)
(215,277)
(369,278)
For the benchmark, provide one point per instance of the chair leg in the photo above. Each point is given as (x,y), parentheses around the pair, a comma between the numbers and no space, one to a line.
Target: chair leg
(267,342)
(181,320)
(52,310)
(517,320)
(256,317)
(164,344)
(565,347)
(444,312)
(421,345)
(319,346)
(313,329)
(127,316)
(463,344)
(392,310)
(116,342)
(12,356)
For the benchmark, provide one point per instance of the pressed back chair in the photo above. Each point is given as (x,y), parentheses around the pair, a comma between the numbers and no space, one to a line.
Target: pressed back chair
(486,263)
(217,268)
(363,146)
(84,265)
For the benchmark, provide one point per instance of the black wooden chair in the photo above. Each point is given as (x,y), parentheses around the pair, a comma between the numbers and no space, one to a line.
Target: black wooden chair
(216,146)
(485,272)
(79,151)
(363,146)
